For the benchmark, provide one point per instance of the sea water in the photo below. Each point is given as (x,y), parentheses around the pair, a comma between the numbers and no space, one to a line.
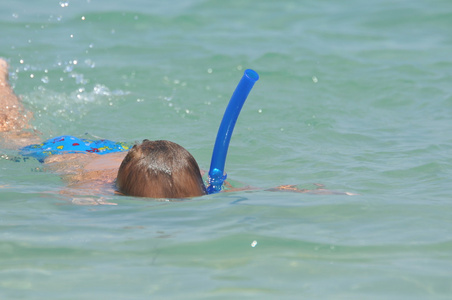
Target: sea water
(353,95)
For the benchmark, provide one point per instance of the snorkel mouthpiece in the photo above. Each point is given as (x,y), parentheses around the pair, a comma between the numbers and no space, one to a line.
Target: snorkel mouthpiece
(216,173)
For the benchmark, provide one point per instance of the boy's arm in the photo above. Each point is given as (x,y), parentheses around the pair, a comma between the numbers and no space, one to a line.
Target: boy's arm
(320,190)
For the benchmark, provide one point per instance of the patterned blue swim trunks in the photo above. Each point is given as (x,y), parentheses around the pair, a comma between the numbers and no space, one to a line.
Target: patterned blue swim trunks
(69,144)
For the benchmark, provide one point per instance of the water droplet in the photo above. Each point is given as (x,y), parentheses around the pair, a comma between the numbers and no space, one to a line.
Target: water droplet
(254,243)
(45,79)
(315,79)
(209,70)
(101,90)
(90,63)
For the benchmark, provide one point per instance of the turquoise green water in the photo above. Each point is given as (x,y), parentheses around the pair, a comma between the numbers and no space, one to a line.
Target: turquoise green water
(356,96)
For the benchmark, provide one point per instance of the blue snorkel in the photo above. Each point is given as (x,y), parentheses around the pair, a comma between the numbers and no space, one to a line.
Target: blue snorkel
(216,173)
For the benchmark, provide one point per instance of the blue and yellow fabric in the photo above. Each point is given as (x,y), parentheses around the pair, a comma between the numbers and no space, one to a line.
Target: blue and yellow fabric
(70,144)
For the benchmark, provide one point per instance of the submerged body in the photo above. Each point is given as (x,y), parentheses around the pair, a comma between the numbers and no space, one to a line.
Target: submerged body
(154,169)
(86,173)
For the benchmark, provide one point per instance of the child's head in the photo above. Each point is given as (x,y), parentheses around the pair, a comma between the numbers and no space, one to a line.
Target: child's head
(160,169)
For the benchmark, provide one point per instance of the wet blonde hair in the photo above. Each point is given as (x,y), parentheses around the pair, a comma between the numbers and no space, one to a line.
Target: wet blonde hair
(160,169)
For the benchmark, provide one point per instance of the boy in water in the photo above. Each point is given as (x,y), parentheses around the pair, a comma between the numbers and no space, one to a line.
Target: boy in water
(155,169)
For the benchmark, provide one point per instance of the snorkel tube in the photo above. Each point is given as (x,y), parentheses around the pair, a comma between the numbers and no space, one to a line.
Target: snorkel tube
(216,173)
